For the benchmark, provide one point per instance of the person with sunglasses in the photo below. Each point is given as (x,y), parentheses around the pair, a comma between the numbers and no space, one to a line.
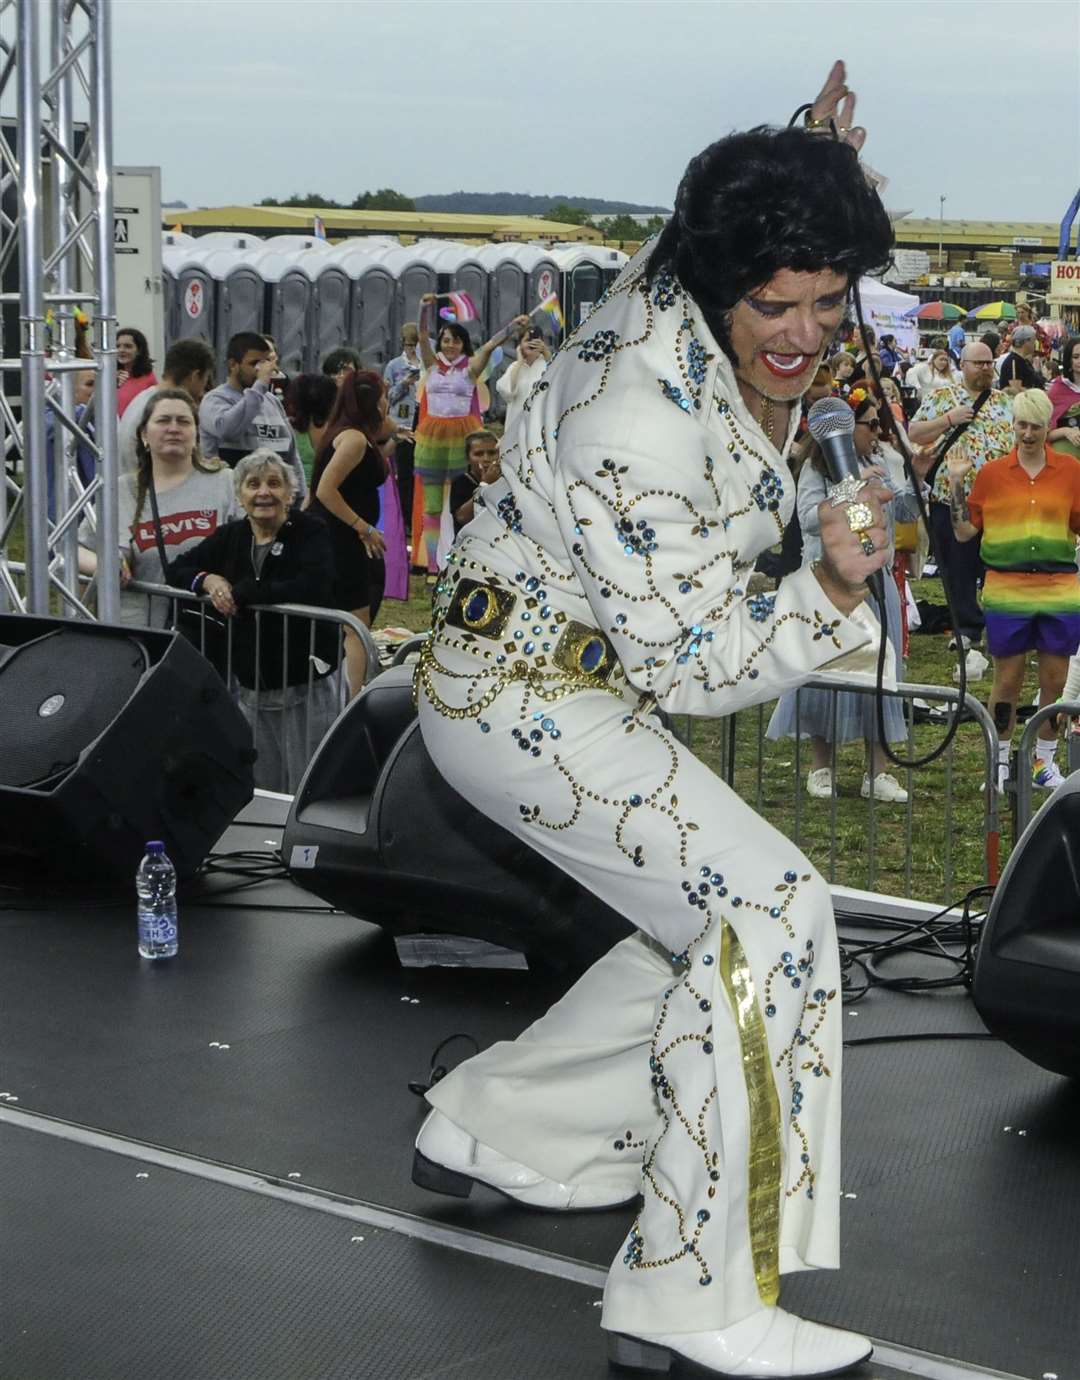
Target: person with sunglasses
(811,713)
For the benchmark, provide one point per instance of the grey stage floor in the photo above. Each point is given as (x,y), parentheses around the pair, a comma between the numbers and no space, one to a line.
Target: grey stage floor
(259,1082)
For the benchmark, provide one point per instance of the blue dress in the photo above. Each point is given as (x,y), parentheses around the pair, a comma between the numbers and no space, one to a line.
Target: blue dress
(855,715)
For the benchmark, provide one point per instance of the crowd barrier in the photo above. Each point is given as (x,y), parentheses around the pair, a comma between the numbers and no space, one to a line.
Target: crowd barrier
(1023,761)
(769,775)
(287,721)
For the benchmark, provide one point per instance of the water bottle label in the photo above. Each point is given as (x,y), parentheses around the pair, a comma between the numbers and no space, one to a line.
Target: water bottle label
(158,930)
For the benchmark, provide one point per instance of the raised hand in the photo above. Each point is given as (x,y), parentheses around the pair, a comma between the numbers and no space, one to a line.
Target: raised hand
(835,103)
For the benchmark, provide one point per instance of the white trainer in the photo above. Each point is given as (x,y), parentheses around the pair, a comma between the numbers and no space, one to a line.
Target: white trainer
(1046,776)
(769,1343)
(886,788)
(819,783)
(449,1160)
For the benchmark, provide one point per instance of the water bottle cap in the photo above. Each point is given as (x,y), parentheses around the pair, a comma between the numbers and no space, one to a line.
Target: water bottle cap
(155,846)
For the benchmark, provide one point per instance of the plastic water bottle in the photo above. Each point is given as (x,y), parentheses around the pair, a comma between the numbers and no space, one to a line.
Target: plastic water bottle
(155,883)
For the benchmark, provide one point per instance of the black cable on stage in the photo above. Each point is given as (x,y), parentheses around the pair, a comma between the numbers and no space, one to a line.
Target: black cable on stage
(922,1035)
(933,938)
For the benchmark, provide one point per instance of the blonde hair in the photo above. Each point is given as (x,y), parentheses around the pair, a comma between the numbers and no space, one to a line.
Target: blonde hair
(1032,406)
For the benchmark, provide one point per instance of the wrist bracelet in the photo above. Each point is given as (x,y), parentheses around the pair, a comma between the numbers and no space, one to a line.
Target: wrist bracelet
(196,584)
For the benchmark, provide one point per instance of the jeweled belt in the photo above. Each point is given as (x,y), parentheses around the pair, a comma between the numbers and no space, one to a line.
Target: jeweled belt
(524,627)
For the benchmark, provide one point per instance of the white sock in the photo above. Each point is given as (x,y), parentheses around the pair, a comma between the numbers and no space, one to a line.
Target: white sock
(1004,749)
(1045,748)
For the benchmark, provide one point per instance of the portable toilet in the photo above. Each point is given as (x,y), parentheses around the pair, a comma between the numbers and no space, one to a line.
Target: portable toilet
(413,276)
(293,244)
(587,269)
(372,290)
(239,294)
(228,239)
(506,283)
(289,291)
(330,314)
(458,269)
(370,244)
(522,275)
(193,293)
(172,239)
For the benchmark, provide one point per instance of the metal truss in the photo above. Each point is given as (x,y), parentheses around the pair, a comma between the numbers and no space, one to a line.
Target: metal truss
(58,174)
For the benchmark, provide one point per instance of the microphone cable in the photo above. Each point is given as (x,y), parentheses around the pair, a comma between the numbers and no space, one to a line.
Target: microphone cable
(890,427)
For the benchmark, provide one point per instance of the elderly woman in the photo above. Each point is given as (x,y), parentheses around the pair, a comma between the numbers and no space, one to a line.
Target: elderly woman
(1026,504)
(696,1064)
(272,555)
(823,716)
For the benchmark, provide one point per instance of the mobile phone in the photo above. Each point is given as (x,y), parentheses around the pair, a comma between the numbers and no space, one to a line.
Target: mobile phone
(534,333)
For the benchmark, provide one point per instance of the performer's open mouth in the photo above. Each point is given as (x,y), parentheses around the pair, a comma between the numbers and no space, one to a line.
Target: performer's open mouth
(785,366)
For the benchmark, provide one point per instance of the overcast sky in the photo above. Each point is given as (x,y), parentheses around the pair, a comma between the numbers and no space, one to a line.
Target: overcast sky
(240,99)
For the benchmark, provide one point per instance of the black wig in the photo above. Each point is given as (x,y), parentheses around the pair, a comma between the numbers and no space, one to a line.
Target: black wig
(767,199)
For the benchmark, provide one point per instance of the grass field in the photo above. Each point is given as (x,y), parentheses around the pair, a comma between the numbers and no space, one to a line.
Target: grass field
(934,851)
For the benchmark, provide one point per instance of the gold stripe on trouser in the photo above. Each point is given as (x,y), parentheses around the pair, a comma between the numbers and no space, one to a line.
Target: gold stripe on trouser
(763,1203)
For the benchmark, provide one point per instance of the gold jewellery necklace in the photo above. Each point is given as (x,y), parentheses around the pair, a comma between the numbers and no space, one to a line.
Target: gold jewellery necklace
(767,418)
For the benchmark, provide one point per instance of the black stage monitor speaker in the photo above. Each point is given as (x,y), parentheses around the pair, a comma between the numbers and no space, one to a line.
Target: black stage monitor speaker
(1027,972)
(376,831)
(108,737)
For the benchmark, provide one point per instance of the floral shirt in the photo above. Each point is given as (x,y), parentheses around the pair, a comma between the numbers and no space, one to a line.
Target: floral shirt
(988,436)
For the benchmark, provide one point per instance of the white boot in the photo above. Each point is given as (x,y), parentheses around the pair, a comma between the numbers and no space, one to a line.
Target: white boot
(448,1160)
(769,1343)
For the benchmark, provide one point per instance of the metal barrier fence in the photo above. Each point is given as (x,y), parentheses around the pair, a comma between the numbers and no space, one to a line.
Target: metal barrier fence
(1022,764)
(770,776)
(287,721)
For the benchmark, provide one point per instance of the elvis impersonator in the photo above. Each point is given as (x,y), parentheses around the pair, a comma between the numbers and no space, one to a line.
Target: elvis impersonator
(698,1063)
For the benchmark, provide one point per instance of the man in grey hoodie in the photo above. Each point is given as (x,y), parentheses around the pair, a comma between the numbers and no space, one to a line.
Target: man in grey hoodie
(242,414)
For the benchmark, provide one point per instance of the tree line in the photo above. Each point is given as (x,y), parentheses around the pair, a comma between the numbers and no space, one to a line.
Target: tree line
(622,226)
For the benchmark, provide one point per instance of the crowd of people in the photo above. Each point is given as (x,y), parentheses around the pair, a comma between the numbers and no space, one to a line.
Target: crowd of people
(324,489)
(1002,401)
(391,463)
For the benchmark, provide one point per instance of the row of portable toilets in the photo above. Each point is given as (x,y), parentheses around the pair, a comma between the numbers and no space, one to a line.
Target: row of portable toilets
(313,296)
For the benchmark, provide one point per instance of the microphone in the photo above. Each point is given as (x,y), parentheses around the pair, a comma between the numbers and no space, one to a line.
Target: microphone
(832,425)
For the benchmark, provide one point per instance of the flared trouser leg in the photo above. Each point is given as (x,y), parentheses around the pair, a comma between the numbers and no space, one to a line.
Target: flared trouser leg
(717,1038)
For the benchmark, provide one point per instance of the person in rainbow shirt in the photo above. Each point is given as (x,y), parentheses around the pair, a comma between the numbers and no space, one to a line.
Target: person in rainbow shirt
(1026,504)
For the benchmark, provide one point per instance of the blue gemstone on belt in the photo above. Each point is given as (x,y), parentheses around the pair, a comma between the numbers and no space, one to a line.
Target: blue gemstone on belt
(478,605)
(591,655)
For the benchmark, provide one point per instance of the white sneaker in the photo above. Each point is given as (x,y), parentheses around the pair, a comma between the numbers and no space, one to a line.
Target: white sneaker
(886,788)
(769,1342)
(1002,778)
(965,642)
(1046,776)
(448,1160)
(819,783)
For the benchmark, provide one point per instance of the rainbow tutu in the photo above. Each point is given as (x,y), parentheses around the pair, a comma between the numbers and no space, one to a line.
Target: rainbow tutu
(440,447)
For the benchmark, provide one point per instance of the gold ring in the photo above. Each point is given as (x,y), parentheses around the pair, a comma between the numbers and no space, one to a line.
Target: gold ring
(859,516)
(842,129)
(811,123)
(866,541)
(845,491)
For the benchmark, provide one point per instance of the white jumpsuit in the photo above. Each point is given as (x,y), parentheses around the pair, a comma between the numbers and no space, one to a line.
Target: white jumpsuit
(605,575)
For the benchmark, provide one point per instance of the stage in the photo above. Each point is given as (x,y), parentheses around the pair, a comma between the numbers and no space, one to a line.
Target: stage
(205,1167)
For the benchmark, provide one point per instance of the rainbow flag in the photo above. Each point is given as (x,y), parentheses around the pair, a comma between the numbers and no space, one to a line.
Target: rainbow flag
(460,307)
(550,306)
(319,228)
